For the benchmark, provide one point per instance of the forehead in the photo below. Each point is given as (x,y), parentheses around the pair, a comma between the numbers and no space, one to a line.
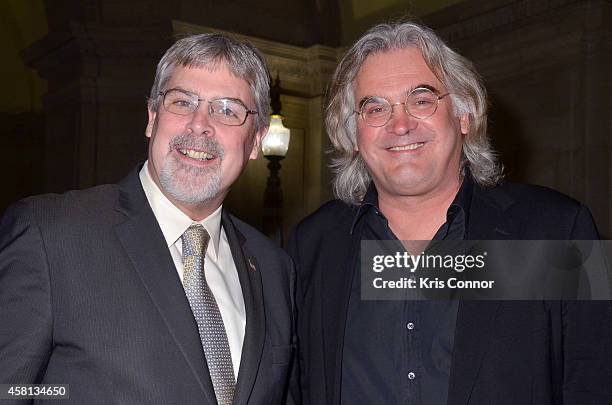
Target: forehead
(211,81)
(392,74)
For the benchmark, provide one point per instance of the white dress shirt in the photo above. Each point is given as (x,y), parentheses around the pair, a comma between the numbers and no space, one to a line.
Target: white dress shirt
(219,266)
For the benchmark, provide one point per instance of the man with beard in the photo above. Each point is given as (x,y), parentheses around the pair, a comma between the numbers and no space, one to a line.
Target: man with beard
(148,291)
(407,119)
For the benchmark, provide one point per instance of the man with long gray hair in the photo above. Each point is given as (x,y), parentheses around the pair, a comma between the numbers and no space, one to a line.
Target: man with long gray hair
(149,291)
(407,118)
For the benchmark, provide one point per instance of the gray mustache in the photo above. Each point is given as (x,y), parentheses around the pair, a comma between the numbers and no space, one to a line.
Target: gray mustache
(186,141)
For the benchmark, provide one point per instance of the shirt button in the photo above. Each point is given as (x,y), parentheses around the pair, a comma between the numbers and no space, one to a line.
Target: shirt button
(410,325)
(411,376)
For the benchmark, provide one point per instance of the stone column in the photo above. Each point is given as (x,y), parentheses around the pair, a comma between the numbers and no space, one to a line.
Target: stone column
(99,59)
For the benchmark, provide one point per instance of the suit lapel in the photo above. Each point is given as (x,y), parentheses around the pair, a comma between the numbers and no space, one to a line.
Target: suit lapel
(144,243)
(489,219)
(252,292)
(337,281)
(472,335)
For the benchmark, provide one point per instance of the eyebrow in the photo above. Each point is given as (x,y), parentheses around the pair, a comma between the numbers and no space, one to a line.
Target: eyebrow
(364,99)
(418,86)
(208,99)
(424,86)
(182,90)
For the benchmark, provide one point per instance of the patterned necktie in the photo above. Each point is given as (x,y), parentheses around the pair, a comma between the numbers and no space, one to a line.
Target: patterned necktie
(207,315)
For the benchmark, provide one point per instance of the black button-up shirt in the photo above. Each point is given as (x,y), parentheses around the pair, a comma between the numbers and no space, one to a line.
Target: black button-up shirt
(399,352)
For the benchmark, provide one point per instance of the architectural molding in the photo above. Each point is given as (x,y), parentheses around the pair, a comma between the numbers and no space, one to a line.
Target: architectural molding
(303,71)
(487,16)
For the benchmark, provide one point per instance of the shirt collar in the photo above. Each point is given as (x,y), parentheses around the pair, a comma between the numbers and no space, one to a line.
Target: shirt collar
(370,200)
(172,221)
(462,201)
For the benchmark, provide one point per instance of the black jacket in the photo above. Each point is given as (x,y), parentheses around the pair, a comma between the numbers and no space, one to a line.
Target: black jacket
(90,297)
(510,352)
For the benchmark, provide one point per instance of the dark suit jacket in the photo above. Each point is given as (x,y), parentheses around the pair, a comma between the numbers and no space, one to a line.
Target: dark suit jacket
(90,297)
(505,352)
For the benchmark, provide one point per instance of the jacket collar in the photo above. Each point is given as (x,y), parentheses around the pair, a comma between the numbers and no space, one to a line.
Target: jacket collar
(146,247)
(488,217)
(144,243)
(462,201)
(252,292)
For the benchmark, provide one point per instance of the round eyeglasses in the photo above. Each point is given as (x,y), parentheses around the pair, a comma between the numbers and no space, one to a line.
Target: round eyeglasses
(421,103)
(226,111)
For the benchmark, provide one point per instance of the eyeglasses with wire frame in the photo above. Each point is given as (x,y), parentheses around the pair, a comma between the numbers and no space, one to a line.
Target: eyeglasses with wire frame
(421,103)
(226,111)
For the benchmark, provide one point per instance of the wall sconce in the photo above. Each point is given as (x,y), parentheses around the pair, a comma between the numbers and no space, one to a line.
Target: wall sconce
(276,142)
(274,147)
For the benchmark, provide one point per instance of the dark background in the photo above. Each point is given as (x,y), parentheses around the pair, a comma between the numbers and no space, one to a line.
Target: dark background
(76,73)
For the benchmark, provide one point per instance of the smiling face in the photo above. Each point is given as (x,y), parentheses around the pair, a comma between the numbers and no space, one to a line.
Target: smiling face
(193,159)
(408,156)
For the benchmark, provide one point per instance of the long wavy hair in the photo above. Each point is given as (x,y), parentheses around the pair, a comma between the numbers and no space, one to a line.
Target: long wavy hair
(468,96)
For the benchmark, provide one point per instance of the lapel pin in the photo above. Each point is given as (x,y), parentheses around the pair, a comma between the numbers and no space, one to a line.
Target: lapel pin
(251,265)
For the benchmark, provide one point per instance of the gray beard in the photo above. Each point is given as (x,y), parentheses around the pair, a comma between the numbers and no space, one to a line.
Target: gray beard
(188,184)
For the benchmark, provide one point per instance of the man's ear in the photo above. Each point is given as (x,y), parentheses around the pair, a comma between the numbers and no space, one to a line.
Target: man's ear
(259,136)
(465,124)
(151,123)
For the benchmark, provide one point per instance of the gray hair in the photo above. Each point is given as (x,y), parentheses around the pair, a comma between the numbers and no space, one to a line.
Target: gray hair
(243,60)
(468,96)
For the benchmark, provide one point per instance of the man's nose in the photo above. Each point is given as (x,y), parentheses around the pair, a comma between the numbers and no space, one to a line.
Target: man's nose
(200,122)
(401,122)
